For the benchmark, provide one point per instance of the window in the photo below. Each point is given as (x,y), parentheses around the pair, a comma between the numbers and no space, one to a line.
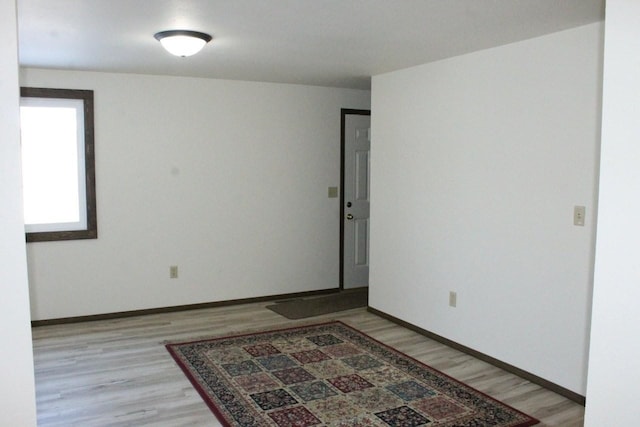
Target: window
(58,164)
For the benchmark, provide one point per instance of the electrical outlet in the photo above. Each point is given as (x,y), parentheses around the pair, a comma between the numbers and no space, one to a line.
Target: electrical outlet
(173,272)
(578,215)
(453,298)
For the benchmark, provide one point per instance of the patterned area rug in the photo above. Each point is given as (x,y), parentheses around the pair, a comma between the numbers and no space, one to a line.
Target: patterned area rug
(330,375)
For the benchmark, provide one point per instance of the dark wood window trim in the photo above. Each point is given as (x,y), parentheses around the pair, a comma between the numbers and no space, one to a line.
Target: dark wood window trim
(91,231)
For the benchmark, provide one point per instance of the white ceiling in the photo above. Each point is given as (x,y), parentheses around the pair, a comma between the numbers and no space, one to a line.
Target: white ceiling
(338,43)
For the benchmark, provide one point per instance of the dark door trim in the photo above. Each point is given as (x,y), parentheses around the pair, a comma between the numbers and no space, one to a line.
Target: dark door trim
(343,113)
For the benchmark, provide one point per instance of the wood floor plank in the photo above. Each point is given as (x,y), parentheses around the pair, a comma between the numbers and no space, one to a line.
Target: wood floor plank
(118,373)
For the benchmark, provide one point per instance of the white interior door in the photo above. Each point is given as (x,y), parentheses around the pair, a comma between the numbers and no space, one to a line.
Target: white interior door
(357,148)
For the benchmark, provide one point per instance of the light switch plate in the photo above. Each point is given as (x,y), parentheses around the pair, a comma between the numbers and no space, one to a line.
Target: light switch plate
(578,215)
(333,192)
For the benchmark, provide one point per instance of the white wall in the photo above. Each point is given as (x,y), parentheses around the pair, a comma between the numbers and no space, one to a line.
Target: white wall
(226,179)
(614,358)
(17,393)
(477,163)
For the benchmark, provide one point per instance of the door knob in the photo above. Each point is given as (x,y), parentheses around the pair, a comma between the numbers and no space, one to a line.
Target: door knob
(348,204)
(349,216)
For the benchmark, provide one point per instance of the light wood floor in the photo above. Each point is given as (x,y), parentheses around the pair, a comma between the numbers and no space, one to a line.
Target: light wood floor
(118,373)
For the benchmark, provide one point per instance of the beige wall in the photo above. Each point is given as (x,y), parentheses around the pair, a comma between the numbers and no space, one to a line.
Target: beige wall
(226,179)
(477,163)
(17,395)
(614,357)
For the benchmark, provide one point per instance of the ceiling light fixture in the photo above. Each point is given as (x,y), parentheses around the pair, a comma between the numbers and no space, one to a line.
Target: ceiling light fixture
(182,42)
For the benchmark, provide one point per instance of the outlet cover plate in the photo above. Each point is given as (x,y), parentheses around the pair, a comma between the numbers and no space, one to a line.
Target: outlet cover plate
(173,272)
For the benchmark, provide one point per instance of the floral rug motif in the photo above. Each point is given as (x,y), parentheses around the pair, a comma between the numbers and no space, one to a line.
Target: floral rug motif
(330,375)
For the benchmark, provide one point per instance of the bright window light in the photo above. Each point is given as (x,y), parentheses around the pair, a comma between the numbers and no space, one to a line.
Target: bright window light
(53,166)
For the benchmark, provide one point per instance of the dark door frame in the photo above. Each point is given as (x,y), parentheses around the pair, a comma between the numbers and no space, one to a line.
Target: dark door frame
(343,113)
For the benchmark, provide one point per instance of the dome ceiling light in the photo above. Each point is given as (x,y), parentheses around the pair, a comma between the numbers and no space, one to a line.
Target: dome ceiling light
(182,42)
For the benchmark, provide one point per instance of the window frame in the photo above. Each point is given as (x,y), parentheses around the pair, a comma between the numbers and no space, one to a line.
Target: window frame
(91,230)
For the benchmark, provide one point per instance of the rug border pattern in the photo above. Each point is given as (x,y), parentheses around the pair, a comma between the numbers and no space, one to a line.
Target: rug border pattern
(407,364)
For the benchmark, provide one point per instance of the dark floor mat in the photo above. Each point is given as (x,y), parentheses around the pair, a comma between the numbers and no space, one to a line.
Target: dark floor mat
(315,306)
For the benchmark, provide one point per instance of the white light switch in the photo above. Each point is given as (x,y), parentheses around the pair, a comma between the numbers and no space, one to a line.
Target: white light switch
(578,215)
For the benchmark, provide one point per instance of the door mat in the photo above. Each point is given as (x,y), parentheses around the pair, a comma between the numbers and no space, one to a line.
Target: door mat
(314,306)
